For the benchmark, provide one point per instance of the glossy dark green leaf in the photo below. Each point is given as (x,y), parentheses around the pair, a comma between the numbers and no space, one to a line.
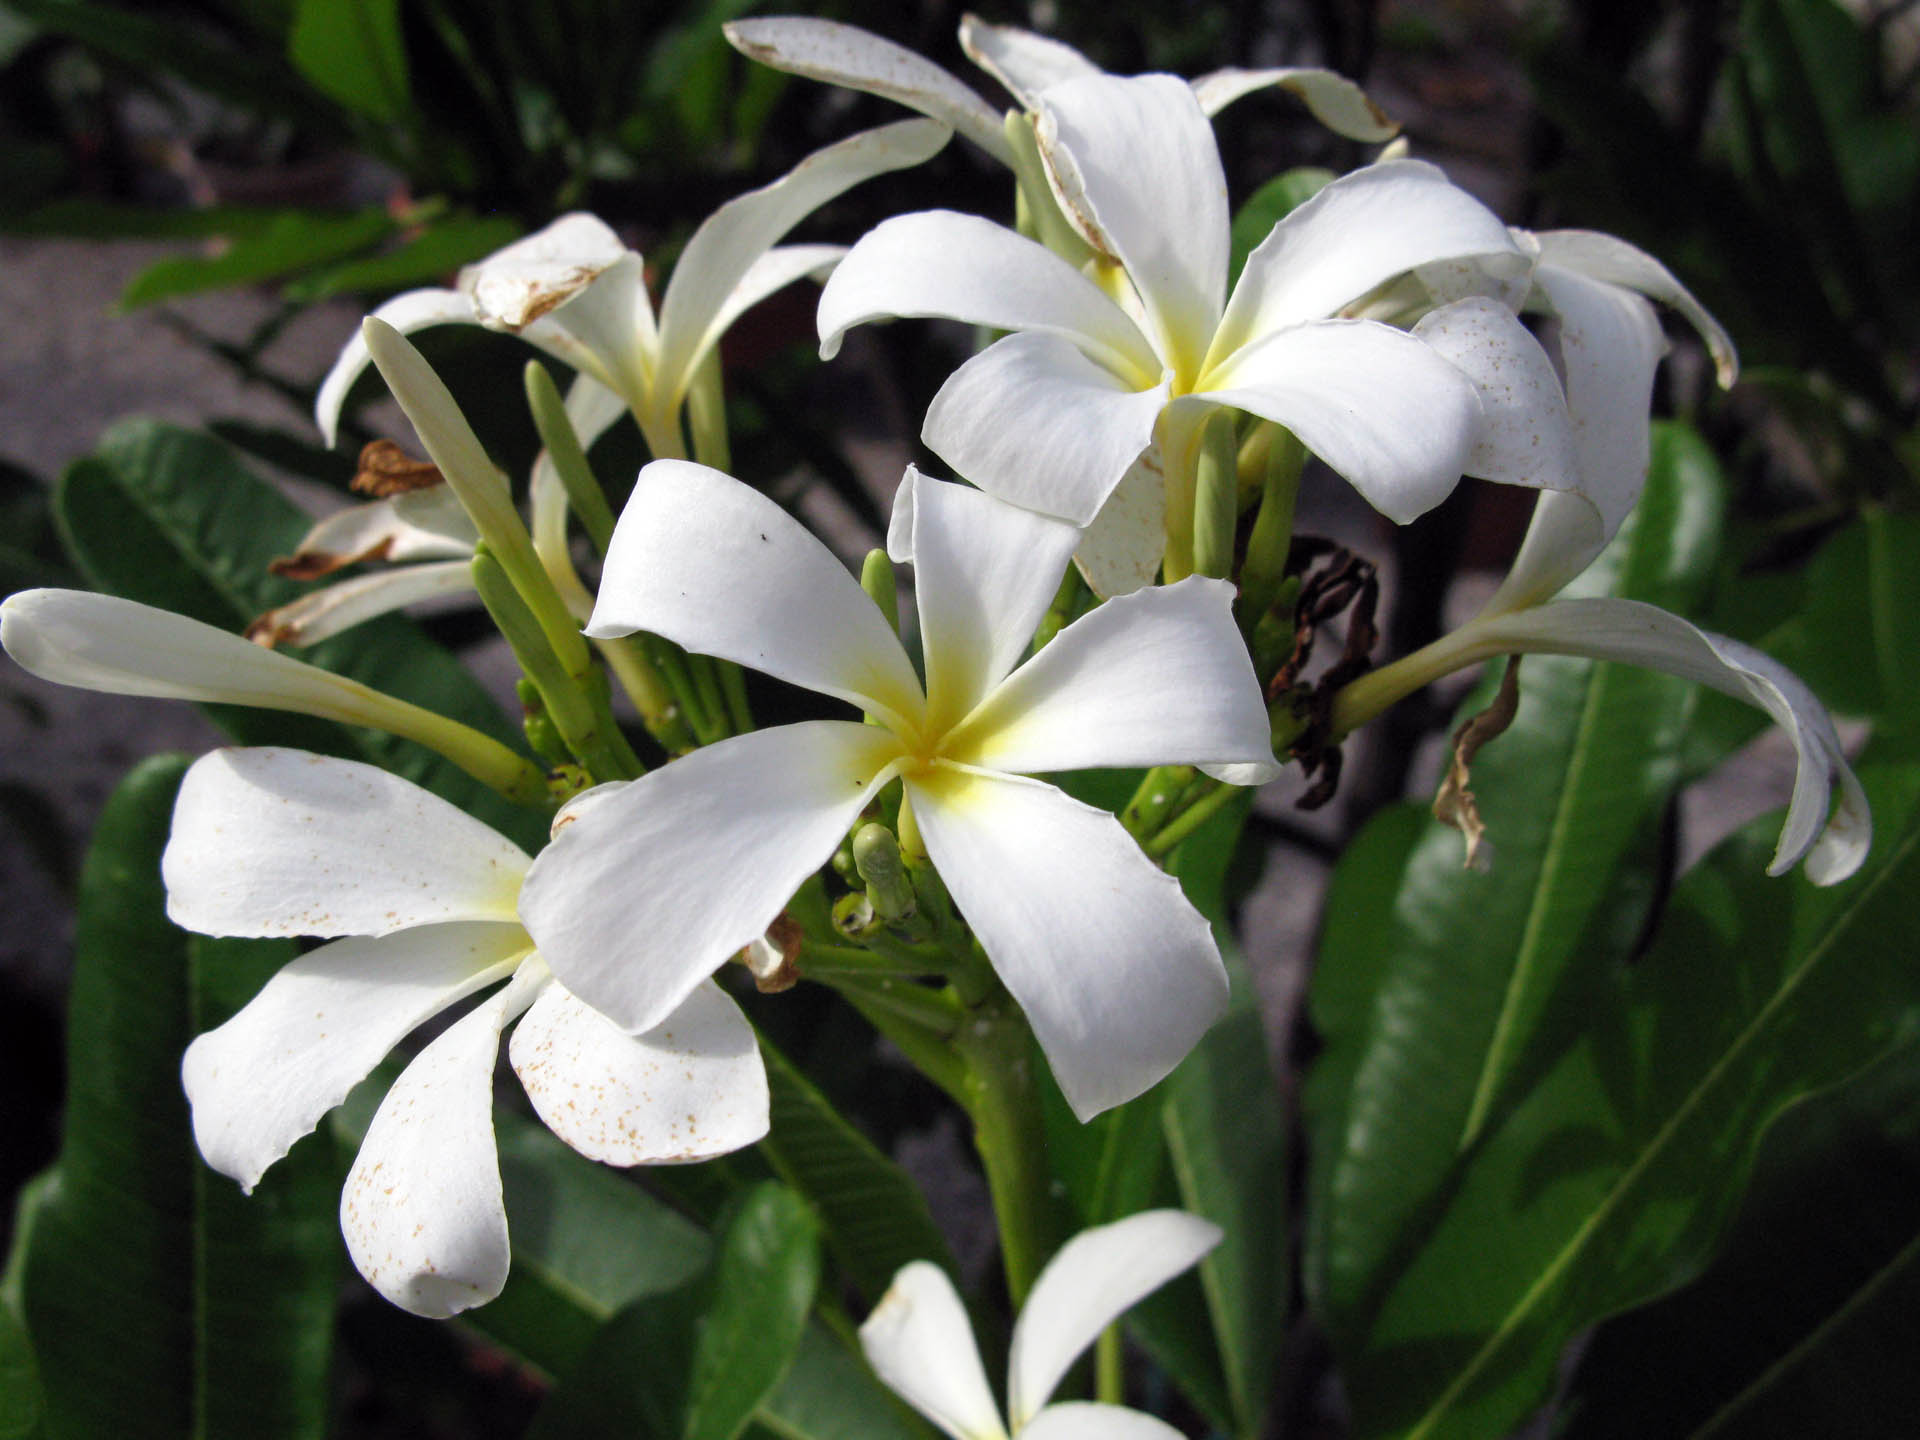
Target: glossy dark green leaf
(1271,204)
(875,1217)
(430,258)
(169,517)
(289,242)
(1608,1181)
(1435,991)
(145,1274)
(1807,1322)
(22,1407)
(696,1364)
(352,51)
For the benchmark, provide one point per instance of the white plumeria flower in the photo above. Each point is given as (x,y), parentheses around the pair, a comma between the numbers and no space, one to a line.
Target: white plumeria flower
(1117,972)
(273,842)
(1053,416)
(580,295)
(1025,63)
(919,1341)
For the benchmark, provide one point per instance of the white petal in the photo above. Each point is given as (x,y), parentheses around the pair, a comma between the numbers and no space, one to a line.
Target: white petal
(1083,1420)
(415,310)
(1611,259)
(1386,412)
(847,55)
(1525,436)
(984,573)
(1360,231)
(101,642)
(1118,974)
(961,267)
(1158,677)
(516,285)
(264,1079)
(719,568)
(1610,346)
(722,251)
(280,842)
(1037,423)
(1336,102)
(920,1342)
(1833,845)
(688,1090)
(606,330)
(774,271)
(1120,550)
(1095,1279)
(1023,61)
(418,525)
(346,603)
(648,891)
(422,1211)
(1134,166)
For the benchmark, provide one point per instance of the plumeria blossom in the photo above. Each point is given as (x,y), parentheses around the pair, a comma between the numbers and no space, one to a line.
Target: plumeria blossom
(701,854)
(1053,416)
(919,1341)
(276,842)
(576,292)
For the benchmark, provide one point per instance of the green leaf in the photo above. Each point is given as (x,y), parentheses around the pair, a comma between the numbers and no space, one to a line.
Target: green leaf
(170,518)
(1436,989)
(1813,1305)
(696,1364)
(1269,205)
(829,1394)
(289,241)
(22,1406)
(352,51)
(159,1299)
(876,1219)
(424,260)
(1608,1182)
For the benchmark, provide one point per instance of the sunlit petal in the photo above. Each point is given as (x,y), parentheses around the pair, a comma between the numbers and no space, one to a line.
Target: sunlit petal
(1134,166)
(315,1030)
(719,568)
(1336,102)
(920,1342)
(516,285)
(340,606)
(984,573)
(1525,437)
(1117,972)
(1612,260)
(1084,1420)
(281,842)
(774,271)
(1034,421)
(1382,408)
(723,250)
(1094,1279)
(1830,832)
(1358,232)
(961,267)
(422,1211)
(690,1089)
(1158,677)
(1025,62)
(415,310)
(1120,549)
(644,893)
(847,55)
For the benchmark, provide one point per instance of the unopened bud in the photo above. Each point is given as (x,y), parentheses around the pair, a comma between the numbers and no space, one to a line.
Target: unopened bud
(853,916)
(773,959)
(876,854)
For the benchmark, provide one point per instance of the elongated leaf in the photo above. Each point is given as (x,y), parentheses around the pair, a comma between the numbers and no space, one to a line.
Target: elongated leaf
(1814,1304)
(160,1301)
(352,51)
(875,1218)
(289,242)
(169,517)
(1608,1182)
(22,1407)
(695,1364)
(428,258)
(1434,991)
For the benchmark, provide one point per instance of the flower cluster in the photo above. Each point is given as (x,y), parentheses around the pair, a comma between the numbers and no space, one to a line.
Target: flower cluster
(1378,327)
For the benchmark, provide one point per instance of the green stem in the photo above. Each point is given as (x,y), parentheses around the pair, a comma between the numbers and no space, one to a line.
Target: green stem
(1216,497)
(733,686)
(569,457)
(1042,211)
(628,661)
(707,412)
(673,665)
(918,1023)
(1264,570)
(1155,799)
(1192,818)
(1109,1377)
(706,684)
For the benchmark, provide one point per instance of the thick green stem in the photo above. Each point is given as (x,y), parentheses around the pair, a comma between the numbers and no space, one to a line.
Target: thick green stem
(1192,818)
(707,413)
(1155,799)
(569,457)
(1216,497)
(1264,571)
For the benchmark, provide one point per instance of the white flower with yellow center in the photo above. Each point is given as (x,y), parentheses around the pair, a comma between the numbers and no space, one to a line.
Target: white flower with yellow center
(271,842)
(1117,972)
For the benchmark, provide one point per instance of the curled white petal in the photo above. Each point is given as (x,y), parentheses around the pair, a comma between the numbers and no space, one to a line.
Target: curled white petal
(516,285)
(1525,436)
(1612,260)
(423,524)
(1023,61)
(1095,1279)
(920,1342)
(346,603)
(415,310)
(1336,102)
(689,1089)
(280,842)
(262,1080)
